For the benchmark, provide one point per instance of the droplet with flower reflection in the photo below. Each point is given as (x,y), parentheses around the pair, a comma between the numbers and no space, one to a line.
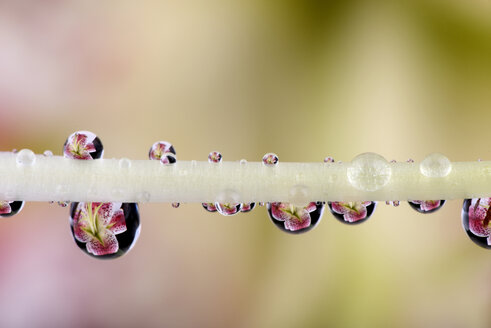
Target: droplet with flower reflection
(214,157)
(10,208)
(83,145)
(105,230)
(247,207)
(476,220)
(270,159)
(352,212)
(160,148)
(295,218)
(228,209)
(426,206)
(210,207)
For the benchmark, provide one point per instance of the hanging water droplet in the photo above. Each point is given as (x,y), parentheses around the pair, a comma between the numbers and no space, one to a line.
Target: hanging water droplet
(175,205)
(352,212)
(210,207)
(329,159)
(25,157)
(159,148)
(168,159)
(435,166)
(294,219)
(105,230)
(83,145)
(247,207)
(214,157)
(369,172)
(476,220)
(270,159)
(396,203)
(426,206)
(63,204)
(48,153)
(124,163)
(228,209)
(10,208)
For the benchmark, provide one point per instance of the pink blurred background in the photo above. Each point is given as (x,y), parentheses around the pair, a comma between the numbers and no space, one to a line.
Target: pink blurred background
(305,79)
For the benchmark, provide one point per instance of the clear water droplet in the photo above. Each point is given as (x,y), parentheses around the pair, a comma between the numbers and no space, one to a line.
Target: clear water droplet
(329,159)
(476,219)
(299,195)
(124,163)
(435,166)
(25,157)
(210,207)
(228,209)
(10,208)
(426,206)
(214,157)
(352,212)
(143,197)
(160,148)
(83,145)
(48,153)
(369,172)
(105,230)
(243,162)
(247,207)
(294,219)
(193,162)
(175,205)
(270,159)
(168,159)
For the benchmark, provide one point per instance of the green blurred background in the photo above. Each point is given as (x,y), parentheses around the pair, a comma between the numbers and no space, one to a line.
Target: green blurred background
(305,79)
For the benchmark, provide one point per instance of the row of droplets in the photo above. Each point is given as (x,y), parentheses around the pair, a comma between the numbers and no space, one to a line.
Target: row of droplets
(109,230)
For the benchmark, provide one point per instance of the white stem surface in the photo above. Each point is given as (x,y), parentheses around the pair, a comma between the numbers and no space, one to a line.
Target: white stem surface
(42,178)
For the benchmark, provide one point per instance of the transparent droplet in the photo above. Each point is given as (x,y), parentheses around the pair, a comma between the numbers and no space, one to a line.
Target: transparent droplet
(83,145)
(210,207)
(48,153)
(426,206)
(159,148)
(175,205)
(435,166)
(299,195)
(476,219)
(25,157)
(214,157)
(10,208)
(124,163)
(228,209)
(270,159)
(243,162)
(352,212)
(105,230)
(247,207)
(369,172)
(294,219)
(168,159)
(329,159)
(143,197)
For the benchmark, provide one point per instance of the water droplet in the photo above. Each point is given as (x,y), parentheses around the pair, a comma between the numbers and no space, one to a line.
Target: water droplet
(410,160)
(193,162)
(63,204)
(476,219)
(124,163)
(175,205)
(261,203)
(369,172)
(83,145)
(247,207)
(426,206)
(105,230)
(10,208)
(228,209)
(435,166)
(396,203)
(214,157)
(168,159)
(270,159)
(159,148)
(243,162)
(25,157)
(143,197)
(329,159)
(352,212)
(299,195)
(210,207)
(48,153)
(295,219)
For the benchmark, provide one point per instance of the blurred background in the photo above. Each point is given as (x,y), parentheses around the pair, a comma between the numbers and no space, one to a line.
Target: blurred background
(304,79)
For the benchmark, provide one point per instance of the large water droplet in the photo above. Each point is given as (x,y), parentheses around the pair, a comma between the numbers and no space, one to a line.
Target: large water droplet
(352,212)
(435,166)
(105,230)
(476,220)
(159,148)
(426,206)
(83,145)
(25,157)
(293,219)
(369,172)
(10,208)
(168,159)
